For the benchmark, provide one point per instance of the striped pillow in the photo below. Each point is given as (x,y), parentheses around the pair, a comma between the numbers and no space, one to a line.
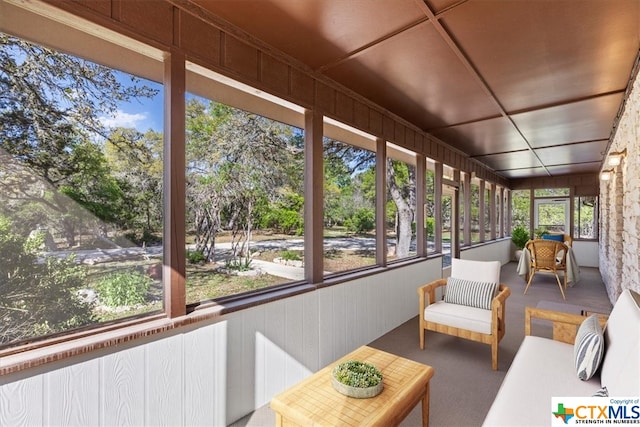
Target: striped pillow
(588,348)
(470,293)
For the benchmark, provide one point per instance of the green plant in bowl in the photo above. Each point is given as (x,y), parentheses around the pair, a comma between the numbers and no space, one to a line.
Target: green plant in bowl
(357,379)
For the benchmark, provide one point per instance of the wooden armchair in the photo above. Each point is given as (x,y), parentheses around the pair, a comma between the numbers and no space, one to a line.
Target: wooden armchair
(485,325)
(549,256)
(565,325)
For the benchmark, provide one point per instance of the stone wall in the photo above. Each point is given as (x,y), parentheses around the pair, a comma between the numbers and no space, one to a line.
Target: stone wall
(619,248)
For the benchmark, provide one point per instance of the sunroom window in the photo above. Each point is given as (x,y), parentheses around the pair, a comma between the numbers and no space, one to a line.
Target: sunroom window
(81,219)
(349,191)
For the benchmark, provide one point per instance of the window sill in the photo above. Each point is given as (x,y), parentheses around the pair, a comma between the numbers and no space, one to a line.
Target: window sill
(33,355)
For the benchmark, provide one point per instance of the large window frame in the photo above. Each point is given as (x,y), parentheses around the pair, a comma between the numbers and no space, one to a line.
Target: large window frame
(176,69)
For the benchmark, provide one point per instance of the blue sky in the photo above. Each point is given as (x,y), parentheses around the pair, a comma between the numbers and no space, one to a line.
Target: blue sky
(142,114)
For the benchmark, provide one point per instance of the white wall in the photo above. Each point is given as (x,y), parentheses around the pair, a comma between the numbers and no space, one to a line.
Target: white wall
(586,253)
(501,250)
(212,373)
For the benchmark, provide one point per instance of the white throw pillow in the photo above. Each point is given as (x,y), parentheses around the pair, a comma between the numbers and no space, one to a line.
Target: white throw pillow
(588,348)
(470,293)
(602,392)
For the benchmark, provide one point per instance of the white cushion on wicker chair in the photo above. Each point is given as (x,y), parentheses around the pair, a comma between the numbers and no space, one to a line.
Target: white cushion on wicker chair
(459,316)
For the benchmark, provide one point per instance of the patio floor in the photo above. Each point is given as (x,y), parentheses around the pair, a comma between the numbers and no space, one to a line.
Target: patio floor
(464,385)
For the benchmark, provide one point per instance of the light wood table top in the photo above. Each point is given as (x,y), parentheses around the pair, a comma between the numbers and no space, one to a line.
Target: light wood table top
(314,401)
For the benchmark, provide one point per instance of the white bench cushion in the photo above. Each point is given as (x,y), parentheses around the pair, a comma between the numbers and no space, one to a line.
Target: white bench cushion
(542,369)
(620,371)
(459,316)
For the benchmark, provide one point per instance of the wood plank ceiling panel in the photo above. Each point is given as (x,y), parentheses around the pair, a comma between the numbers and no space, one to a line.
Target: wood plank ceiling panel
(483,137)
(534,54)
(315,32)
(503,81)
(423,85)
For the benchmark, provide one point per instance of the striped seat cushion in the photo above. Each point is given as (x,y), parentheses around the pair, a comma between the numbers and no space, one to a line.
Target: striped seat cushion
(588,348)
(470,293)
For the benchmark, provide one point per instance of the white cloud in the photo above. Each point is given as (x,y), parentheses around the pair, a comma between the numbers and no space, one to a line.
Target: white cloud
(122,119)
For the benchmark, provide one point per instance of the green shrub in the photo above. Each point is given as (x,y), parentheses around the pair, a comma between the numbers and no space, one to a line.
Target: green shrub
(539,232)
(431,226)
(283,220)
(123,288)
(363,220)
(520,237)
(288,255)
(195,257)
(37,296)
(238,264)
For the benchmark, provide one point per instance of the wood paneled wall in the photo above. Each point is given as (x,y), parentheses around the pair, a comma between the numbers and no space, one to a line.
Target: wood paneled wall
(179,25)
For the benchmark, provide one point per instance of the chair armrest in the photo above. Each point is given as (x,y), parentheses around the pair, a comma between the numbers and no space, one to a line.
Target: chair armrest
(498,309)
(565,325)
(499,300)
(427,293)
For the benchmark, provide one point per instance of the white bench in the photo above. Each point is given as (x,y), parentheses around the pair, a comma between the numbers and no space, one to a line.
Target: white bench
(544,368)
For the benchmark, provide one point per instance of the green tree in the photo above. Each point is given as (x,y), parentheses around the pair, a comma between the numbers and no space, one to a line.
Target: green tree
(51,106)
(349,179)
(520,204)
(135,160)
(37,296)
(401,179)
(238,163)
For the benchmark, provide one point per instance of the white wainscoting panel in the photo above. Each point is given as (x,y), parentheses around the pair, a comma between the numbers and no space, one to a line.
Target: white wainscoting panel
(586,253)
(164,381)
(199,370)
(215,372)
(501,250)
(220,372)
(122,387)
(19,402)
(275,344)
(73,395)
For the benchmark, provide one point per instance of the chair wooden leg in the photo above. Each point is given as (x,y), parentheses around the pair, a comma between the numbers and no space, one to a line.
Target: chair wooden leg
(533,273)
(560,286)
(494,354)
(422,332)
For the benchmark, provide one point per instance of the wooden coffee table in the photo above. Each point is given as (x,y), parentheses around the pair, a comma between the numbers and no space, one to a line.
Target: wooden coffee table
(315,402)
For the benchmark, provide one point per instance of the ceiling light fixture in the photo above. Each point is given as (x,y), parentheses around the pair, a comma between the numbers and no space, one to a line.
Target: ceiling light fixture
(615,158)
(606,175)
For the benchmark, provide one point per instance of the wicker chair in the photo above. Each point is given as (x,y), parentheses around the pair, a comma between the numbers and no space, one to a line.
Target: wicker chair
(548,256)
(566,238)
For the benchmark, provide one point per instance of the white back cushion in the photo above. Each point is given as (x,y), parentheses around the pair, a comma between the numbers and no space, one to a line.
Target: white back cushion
(621,364)
(479,271)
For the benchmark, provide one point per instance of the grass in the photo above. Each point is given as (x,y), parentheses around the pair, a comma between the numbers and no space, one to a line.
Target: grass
(207,281)
(337,261)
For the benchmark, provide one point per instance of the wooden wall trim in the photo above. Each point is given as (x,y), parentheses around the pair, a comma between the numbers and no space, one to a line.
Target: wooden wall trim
(313,185)
(582,184)
(241,56)
(174,268)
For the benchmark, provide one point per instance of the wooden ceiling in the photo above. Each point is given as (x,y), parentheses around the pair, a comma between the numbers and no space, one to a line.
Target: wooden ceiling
(529,88)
